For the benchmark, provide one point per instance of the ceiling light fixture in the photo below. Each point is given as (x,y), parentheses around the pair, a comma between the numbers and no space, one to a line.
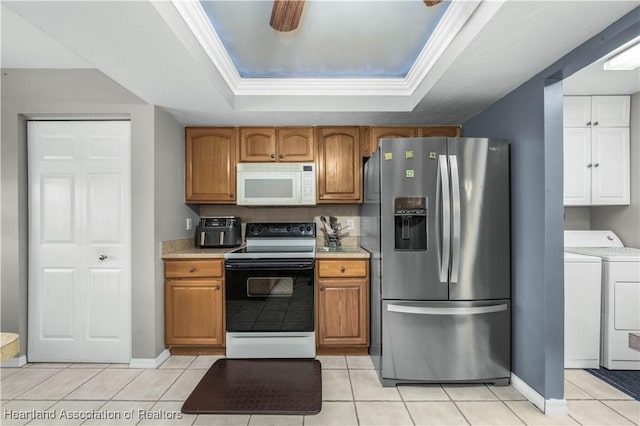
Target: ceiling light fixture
(285,15)
(628,59)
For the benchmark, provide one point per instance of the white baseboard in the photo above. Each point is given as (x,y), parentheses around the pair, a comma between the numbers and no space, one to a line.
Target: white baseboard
(149,362)
(15,362)
(553,407)
(556,407)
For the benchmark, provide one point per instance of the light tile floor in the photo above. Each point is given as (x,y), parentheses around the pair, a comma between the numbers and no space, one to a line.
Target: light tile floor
(65,394)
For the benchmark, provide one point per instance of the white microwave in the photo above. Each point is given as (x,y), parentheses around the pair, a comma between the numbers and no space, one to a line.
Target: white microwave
(276,184)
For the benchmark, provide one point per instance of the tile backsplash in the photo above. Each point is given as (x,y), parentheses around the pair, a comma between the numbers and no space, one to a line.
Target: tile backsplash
(343,213)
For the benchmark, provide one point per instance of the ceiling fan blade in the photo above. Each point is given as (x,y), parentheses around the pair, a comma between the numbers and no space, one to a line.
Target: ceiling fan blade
(432,2)
(285,15)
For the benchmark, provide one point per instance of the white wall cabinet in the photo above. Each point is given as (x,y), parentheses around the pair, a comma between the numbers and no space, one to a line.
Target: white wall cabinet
(596,150)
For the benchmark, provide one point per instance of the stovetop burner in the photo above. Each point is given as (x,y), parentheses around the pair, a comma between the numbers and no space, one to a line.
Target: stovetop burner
(277,241)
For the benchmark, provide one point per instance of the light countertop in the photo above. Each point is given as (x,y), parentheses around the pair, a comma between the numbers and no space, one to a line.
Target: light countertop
(218,253)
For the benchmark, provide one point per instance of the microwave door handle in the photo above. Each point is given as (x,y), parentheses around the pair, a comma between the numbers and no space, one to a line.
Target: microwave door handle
(203,236)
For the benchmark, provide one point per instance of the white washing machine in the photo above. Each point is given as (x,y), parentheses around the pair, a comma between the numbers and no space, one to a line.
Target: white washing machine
(620,294)
(582,297)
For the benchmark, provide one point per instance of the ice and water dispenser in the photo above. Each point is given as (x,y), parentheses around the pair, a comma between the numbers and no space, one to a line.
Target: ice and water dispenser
(410,215)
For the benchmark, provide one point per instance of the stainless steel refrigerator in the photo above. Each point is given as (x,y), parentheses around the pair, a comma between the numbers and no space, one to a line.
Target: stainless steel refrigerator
(436,221)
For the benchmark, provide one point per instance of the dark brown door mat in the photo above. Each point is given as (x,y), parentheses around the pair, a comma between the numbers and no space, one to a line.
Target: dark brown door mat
(258,386)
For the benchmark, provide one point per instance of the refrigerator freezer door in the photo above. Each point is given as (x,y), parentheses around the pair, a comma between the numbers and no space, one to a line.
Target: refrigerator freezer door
(480,265)
(411,168)
(445,341)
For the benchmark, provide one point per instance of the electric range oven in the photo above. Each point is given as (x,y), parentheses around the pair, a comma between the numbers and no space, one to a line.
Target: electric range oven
(269,292)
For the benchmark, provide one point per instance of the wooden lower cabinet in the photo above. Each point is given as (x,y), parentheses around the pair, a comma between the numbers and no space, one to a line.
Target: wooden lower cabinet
(342,295)
(194,304)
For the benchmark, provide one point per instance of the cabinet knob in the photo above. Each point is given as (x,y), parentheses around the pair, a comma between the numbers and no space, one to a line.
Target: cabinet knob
(589,165)
(281,156)
(192,269)
(231,194)
(595,124)
(588,123)
(342,269)
(321,288)
(322,194)
(217,287)
(273,156)
(596,165)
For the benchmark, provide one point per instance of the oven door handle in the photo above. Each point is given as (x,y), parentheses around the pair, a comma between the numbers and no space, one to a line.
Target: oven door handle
(265,264)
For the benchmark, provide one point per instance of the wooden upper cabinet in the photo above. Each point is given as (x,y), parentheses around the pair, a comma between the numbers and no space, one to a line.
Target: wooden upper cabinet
(448,131)
(210,165)
(374,134)
(377,133)
(339,164)
(286,144)
(295,144)
(257,144)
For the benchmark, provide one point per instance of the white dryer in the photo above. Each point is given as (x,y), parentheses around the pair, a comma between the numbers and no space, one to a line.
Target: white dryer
(582,302)
(620,294)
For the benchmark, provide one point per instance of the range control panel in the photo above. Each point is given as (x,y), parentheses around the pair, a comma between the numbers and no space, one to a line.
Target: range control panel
(270,230)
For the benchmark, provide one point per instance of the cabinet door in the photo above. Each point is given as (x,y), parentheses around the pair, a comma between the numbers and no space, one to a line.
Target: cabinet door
(576,111)
(377,133)
(339,165)
(257,144)
(342,312)
(210,165)
(295,144)
(193,312)
(448,131)
(610,174)
(610,111)
(577,166)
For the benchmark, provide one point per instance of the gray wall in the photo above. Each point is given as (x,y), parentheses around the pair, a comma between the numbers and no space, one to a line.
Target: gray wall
(531,118)
(79,93)
(577,218)
(625,220)
(170,211)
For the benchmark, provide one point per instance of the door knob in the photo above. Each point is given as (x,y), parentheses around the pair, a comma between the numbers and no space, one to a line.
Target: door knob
(103,257)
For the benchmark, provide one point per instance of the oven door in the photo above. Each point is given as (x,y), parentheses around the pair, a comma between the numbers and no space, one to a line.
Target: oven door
(269,295)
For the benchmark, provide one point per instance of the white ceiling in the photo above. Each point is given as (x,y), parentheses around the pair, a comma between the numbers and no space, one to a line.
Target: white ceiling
(148,48)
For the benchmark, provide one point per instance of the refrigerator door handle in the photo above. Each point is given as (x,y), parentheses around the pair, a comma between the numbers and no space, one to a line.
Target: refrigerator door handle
(455,190)
(420,310)
(446,218)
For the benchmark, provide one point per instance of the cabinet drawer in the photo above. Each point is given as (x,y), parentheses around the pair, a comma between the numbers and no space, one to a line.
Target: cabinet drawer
(193,268)
(342,268)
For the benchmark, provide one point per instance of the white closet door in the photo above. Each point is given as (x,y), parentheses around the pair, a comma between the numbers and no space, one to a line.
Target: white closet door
(576,111)
(610,180)
(577,170)
(610,111)
(79,241)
